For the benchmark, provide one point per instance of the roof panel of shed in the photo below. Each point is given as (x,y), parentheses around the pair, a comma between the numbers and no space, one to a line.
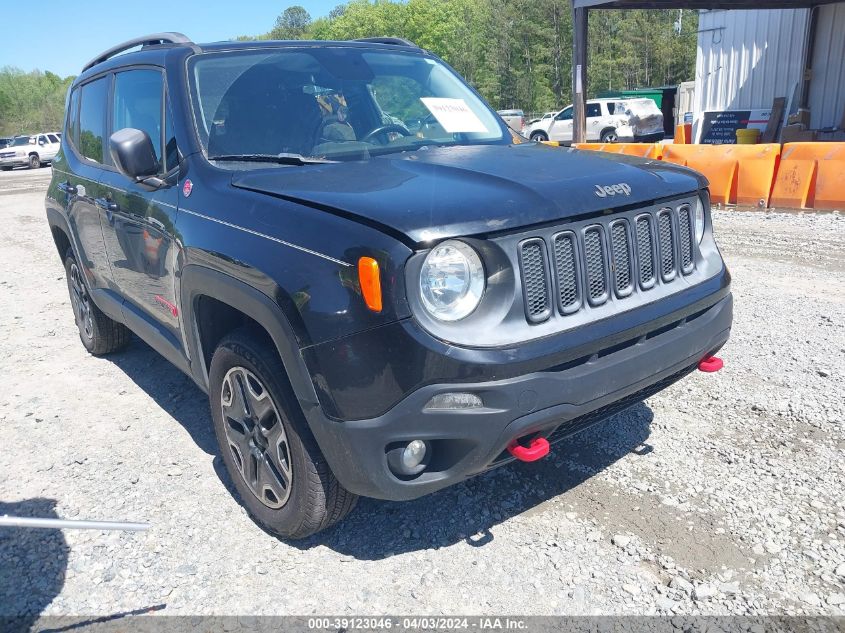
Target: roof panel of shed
(699,4)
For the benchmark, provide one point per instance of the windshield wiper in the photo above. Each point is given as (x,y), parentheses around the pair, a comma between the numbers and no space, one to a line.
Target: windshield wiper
(279,159)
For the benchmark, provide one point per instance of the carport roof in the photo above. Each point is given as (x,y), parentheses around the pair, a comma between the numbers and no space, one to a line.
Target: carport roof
(699,4)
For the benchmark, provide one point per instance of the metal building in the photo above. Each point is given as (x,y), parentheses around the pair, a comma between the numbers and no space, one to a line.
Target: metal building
(749,52)
(747,58)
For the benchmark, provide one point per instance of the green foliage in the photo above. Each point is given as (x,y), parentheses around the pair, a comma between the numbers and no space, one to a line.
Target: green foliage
(292,24)
(31,102)
(517,53)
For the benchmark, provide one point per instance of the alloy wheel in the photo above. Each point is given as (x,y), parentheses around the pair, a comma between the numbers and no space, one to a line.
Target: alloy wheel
(81,302)
(256,437)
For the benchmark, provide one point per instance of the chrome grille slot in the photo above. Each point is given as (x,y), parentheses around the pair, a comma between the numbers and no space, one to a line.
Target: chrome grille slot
(566,272)
(685,239)
(620,245)
(667,244)
(595,268)
(535,280)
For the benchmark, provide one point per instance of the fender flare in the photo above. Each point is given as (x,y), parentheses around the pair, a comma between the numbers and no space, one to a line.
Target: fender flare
(56,220)
(198,280)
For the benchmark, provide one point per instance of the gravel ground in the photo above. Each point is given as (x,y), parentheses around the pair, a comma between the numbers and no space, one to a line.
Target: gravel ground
(721,495)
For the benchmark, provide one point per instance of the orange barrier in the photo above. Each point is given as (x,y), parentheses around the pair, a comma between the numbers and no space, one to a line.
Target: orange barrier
(794,183)
(683,134)
(811,175)
(643,150)
(739,174)
(798,175)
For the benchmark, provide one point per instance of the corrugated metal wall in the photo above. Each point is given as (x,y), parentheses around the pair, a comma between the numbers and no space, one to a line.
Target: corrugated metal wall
(827,88)
(747,58)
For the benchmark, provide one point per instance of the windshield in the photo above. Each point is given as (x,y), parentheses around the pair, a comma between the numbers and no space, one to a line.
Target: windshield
(332,103)
(23,140)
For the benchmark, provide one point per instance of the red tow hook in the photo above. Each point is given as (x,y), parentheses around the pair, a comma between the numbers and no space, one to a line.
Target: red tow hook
(711,364)
(538,449)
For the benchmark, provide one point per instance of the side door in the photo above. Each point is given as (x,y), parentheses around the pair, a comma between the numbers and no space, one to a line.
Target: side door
(561,127)
(138,219)
(78,176)
(594,121)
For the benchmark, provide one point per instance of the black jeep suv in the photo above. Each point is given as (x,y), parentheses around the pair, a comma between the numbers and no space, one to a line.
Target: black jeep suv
(381,288)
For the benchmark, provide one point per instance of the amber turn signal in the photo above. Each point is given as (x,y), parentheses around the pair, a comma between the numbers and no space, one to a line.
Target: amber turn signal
(368,274)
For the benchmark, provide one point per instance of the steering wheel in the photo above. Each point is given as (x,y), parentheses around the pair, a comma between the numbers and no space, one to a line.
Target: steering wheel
(385,129)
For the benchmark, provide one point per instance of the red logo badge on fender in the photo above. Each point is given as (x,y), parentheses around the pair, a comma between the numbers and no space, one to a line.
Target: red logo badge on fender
(187,188)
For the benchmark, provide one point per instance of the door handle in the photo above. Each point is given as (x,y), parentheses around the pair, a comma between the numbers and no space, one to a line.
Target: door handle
(108,205)
(67,188)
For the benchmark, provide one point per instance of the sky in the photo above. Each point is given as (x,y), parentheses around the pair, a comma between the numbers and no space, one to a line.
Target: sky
(62,36)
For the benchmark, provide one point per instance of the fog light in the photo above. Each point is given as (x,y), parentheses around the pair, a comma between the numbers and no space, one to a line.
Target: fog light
(455,401)
(414,454)
(408,460)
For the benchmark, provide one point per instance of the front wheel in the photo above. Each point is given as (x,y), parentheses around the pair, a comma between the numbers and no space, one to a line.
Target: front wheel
(279,472)
(34,161)
(539,136)
(609,136)
(98,333)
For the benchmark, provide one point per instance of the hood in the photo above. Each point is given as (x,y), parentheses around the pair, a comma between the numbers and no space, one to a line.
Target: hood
(443,192)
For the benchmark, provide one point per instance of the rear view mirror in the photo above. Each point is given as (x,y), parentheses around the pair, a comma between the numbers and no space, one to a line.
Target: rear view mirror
(133,153)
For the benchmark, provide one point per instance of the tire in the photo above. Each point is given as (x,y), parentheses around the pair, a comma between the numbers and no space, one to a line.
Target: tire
(34,161)
(539,136)
(6,168)
(99,334)
(279,472)
(609,136)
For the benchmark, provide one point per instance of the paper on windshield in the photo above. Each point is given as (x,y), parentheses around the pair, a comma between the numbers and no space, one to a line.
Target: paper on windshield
(454,115)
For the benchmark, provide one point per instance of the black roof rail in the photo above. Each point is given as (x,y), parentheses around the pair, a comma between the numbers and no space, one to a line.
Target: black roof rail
(144,40)
(394,41)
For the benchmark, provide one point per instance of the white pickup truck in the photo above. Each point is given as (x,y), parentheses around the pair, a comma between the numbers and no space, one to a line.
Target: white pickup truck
(32,150)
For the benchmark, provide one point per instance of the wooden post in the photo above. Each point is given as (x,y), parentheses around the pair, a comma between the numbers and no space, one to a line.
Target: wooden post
(579,75)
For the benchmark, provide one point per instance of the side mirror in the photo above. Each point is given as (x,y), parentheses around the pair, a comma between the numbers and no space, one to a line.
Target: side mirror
(133,153)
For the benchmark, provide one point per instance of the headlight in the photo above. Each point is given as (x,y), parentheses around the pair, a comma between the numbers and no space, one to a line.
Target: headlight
(451,281)
(699,220)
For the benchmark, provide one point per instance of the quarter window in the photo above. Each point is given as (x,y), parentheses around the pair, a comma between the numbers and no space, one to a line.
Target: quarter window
(92,119)
(137,103)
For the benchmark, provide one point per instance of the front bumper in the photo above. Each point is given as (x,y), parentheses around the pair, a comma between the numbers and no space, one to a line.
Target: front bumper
(14,161)
(554,402)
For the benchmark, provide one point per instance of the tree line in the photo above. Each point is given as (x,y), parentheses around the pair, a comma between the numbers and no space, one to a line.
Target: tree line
(31,102)
(517,53)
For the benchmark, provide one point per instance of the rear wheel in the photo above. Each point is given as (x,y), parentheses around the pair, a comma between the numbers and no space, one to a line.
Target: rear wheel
(539,136)
(98,333)
(277,468)
(6,168)
(34,161)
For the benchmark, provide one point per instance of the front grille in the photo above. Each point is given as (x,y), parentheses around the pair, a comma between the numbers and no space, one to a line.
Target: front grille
(605,261)
(685,238)
(7,154)
(532,258)
(594,256)
(621,248)
(566,269)
(667,248)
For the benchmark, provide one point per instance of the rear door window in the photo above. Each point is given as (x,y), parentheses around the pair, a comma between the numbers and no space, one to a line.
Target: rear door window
(593,110)
(92,119)
(53,139)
